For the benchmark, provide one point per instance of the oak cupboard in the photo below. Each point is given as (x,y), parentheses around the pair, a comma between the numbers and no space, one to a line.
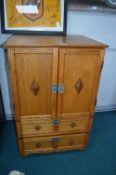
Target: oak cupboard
(54,82)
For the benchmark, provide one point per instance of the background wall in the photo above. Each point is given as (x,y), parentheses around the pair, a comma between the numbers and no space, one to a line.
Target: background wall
(3,78)
(101,27)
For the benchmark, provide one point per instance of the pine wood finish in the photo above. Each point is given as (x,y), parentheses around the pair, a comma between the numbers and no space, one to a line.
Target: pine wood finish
(35,126)
(54,144)
(54,83)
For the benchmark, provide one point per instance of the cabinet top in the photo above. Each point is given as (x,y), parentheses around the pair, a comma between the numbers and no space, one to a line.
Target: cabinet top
(52,41)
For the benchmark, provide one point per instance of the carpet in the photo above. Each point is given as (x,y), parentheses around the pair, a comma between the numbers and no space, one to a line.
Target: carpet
(98,159)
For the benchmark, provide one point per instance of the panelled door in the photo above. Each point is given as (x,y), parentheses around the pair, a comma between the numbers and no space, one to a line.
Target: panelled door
(77,76)
(35,73)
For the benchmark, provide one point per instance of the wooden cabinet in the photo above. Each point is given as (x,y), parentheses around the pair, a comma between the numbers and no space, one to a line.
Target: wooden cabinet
(54,83)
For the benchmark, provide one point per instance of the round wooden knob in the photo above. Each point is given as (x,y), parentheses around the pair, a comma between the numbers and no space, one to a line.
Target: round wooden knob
(37,127)
(38,145)
(73,124)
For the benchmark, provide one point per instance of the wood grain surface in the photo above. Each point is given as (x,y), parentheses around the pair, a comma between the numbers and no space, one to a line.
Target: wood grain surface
(47,120)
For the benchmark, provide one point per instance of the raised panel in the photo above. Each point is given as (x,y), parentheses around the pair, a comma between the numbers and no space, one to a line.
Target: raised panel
(35,74)
(78,74)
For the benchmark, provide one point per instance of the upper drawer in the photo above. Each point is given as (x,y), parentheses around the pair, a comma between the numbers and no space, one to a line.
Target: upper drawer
(35,126)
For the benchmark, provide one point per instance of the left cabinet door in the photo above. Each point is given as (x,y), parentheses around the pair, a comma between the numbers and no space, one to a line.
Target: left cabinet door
(33,72)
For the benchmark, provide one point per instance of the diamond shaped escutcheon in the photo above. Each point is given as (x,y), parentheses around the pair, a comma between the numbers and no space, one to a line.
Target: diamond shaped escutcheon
(35,87)
(79,85)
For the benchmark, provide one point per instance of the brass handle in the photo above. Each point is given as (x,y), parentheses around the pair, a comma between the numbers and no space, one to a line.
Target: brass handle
(73,125)
(71,143)
(37,127)
(38,145)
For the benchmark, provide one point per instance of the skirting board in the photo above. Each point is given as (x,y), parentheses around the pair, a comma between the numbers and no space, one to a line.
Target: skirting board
(105,108)
(9,117)
(98,109)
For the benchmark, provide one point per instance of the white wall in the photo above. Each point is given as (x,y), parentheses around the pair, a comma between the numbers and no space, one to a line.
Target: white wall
(101,27)
(3,79)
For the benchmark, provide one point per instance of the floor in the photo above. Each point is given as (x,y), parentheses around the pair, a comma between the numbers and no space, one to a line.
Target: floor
(98,159)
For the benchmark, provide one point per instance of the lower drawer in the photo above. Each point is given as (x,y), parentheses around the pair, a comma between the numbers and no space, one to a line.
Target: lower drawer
(57,143)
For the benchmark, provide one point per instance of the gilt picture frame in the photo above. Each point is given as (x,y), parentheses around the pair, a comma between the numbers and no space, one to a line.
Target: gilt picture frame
(44,17)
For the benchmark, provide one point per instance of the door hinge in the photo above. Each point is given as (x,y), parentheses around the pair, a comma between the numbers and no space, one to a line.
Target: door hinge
(56,122)
(54,88)
(61,88)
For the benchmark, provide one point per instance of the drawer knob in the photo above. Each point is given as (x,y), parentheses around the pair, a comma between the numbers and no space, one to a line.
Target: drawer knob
(73,124)
(37,127)
(71,143)
(38,145)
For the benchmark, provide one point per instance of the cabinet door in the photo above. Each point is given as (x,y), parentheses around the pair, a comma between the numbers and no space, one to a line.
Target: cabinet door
(77,72)
(33,72)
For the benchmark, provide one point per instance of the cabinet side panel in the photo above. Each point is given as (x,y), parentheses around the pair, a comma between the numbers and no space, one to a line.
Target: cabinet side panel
(97,80)
(12,70)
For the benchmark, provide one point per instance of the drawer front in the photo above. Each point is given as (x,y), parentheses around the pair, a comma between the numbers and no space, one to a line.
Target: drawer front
(74,125)
(37,127)
(55,143)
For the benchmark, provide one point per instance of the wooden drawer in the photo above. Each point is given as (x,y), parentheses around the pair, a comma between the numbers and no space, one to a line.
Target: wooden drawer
(36,127)
(74,125)
(55,143)
(32,125)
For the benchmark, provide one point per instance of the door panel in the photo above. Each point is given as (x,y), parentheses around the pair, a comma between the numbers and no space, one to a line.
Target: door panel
(77,72)
(36,71)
